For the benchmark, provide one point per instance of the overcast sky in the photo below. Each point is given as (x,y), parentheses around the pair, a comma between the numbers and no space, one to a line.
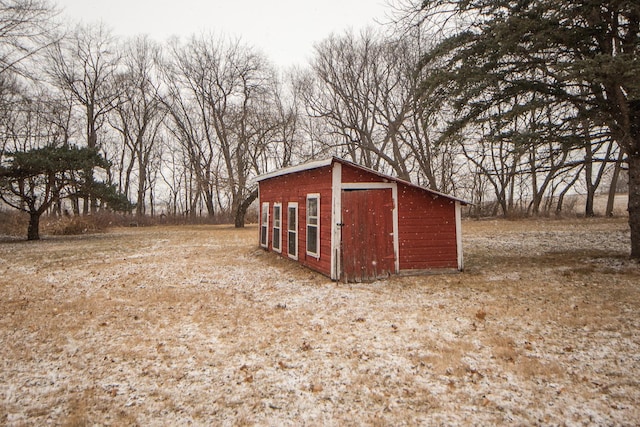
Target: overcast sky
(285,30)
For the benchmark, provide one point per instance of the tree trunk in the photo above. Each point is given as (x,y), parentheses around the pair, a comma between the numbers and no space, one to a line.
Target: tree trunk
(634,201)
(564,192)
(633,160)
(589,205)
(243,207)
(588,173)
(33,231)
(560,202)
(614,185)
(140,206)
(208,200)
(75,205)
(57,203)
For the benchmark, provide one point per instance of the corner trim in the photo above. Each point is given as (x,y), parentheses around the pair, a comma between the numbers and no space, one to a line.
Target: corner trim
(459,236)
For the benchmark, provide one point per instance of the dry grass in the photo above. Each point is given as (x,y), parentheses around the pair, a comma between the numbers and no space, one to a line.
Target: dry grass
(194,324)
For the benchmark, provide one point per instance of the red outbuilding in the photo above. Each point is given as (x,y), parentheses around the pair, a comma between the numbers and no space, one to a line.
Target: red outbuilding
(355,224)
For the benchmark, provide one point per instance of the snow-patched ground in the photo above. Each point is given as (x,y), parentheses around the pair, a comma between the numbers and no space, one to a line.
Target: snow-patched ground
(195,325)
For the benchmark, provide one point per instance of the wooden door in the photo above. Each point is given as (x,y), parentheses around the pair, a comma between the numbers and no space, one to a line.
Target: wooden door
(367,235)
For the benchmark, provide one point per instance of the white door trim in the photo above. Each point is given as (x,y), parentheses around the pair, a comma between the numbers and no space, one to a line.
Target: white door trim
(336,219)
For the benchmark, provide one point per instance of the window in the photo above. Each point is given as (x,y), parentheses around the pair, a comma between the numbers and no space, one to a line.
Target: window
(292,230)
(277,227)
(313,225)
(264,225)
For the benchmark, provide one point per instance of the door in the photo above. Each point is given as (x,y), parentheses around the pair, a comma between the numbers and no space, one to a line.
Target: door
(367,235)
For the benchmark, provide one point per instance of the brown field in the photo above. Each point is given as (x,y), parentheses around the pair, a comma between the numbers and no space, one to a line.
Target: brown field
(195,325)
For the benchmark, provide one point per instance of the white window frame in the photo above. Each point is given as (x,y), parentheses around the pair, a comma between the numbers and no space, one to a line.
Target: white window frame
(277,228)
(312,196)
(292,205)
(264,225)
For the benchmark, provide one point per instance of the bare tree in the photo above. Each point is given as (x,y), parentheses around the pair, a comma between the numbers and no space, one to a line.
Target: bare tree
(280,117)
(138,117)
(364,88)
(599,149)
(189,127)
(437,163)
(216,92)
(358,89)
(83,65)
(26,27)
(498,163)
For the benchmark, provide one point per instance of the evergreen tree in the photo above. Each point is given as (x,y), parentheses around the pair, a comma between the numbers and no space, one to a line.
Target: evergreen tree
(31,181)
(577,60)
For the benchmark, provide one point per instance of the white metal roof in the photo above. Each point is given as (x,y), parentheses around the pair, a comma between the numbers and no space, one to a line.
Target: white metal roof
(327,162)
(298,168)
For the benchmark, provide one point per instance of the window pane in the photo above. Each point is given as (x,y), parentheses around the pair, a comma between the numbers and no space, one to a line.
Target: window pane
(312,208)
(276,216)
(312,239)
(265,213)
(292,244)
(263,235)
(276,240)
(292,219)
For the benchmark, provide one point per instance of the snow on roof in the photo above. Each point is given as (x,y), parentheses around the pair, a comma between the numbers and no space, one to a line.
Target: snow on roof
(327,162)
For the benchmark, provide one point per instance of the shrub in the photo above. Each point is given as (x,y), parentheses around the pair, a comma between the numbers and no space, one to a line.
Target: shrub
(13,223)
(73,225)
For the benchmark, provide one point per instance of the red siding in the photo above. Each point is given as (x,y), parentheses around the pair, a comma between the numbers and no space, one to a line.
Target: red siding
(351,174)
(426,230)
(426,222)
(294,187)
